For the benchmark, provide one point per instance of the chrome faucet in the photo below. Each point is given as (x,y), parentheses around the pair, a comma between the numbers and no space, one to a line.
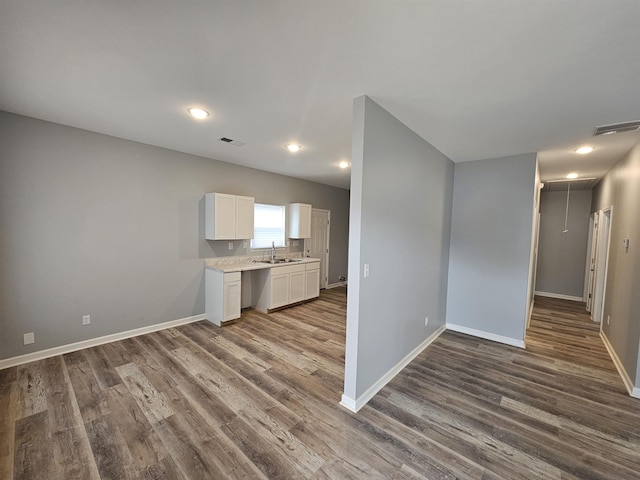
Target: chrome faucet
(273,252)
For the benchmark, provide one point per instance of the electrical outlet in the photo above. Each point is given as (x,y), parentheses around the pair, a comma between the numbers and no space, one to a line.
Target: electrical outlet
(296,243)
(342,278)
(426,321)
(86,319)
(608,319)
(230,245)
(29,338)
(366,270)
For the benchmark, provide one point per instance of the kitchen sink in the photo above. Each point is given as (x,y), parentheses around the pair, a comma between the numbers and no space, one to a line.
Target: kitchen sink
(280,260)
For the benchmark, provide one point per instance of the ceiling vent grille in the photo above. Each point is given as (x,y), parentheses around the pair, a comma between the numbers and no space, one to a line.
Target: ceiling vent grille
(231,141)
(617,128)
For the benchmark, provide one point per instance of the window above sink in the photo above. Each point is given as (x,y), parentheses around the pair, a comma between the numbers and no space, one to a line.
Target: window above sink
(269,226)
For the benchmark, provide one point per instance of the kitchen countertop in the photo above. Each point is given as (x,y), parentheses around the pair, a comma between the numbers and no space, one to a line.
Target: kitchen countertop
(243,264)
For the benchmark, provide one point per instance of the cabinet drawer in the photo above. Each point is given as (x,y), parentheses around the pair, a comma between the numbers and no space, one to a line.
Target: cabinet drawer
(287,269)
(232,277)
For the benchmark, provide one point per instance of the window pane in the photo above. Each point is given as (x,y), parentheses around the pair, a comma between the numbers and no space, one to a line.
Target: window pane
(268,226)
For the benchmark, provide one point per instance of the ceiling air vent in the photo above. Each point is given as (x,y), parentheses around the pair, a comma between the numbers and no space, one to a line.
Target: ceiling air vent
(237,143)
(617,128)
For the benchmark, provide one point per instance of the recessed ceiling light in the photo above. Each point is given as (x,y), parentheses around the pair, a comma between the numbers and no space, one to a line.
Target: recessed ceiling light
(572,175)
(584,150)
(198,113)
(344,164)
(292,147)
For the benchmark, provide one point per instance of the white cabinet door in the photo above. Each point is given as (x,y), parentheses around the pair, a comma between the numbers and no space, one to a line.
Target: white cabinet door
(222,296)
(299,220)
(220,211)
(297,286)
(244,217)
(232,300)
(312,283)
(279,289)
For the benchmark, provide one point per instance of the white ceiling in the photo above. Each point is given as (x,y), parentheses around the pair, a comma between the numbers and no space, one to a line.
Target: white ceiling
(477,79)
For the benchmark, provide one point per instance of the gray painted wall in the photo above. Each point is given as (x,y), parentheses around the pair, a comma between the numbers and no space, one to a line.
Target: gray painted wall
(562,256)
(620,188)
(491,241)
(92,224)
(401,189)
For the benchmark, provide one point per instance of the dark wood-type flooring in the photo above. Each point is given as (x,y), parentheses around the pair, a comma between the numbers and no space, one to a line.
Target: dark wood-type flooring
(259,399)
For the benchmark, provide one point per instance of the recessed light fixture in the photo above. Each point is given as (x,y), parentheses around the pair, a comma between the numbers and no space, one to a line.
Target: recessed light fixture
(198,113)
(344,164)
(584,150)
(292,147)
(572,175)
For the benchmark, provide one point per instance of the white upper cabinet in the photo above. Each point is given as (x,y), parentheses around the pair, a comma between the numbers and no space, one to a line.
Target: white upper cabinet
(228,217)
(244,217)
(299,220)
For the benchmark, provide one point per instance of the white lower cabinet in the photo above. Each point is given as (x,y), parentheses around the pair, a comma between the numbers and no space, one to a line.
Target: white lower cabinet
(232,296)
(278,284)
(283,285)
(222,296)
(297,286)
(268,288)
(312,280)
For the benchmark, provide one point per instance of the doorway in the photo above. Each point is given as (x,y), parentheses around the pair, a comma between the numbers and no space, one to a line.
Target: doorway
(318,245)
(602,231)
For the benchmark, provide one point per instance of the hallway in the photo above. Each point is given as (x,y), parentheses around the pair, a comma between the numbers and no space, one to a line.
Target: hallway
(563,329)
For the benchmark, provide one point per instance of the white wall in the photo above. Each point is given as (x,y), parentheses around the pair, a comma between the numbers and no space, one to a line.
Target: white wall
(620,189)
(401,190)
(491,241)
(92,224)
(562,256)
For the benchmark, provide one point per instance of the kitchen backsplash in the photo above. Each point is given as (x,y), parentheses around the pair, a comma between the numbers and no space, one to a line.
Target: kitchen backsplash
(220,248)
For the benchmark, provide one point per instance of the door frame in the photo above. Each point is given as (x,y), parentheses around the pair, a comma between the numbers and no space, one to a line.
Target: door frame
(324,275)
(590,268)
(602,263)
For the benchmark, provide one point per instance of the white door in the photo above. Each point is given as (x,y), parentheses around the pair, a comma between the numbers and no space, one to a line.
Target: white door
(318,245)
(591,258)
(602,254)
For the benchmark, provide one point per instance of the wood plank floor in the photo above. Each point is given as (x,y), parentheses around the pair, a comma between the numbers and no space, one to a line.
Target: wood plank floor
(259,399)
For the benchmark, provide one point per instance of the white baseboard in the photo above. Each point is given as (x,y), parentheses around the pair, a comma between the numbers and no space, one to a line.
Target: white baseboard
(559,296)
(93,342)
(336,285)
(514,342)
(355,405)
(634,392)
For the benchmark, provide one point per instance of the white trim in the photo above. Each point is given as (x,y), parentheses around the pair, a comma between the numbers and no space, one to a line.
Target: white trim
(93,342)
(634,392)
(560,296)
(336,285)
(514,342)
(355,405)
